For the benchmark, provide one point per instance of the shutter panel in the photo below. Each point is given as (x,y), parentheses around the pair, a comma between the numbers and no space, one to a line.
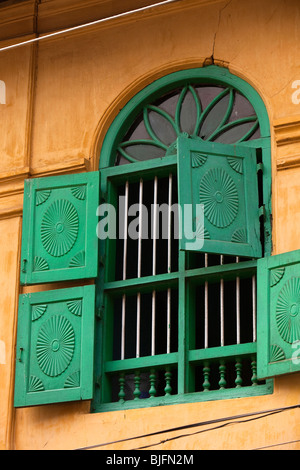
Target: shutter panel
(278,314)
(55,346)
(59,240)
(223,179)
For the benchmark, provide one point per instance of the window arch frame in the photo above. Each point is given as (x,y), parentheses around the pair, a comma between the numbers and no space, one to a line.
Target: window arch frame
(211,75)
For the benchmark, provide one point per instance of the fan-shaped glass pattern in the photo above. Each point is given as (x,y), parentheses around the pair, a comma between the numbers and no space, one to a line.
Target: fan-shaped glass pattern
(210,113)
(59,227)
(219,195)
(55,345)
(288,311)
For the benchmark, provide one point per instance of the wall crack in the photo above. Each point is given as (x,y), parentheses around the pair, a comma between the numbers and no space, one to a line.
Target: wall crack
(211,60)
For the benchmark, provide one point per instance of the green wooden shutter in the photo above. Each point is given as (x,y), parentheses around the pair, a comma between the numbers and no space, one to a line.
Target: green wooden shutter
(55,346)
(278,314)
(59,240)
(223,180)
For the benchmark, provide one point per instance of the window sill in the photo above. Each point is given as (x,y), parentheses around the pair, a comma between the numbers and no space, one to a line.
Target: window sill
(226,394)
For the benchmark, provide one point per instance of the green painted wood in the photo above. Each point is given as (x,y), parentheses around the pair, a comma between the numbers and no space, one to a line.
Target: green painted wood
(278,314)
(152,378)
(222,180)
(143,284)
(197,275)
(185,359)
(183,339)
(196,397)
(141,363)
(216,353)
(215,76)
(206,373)
(122,393)
(55,346)
(222,371)
(59,240)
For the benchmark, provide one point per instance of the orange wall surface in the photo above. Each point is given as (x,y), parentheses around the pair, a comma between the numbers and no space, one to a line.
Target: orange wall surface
(62,94)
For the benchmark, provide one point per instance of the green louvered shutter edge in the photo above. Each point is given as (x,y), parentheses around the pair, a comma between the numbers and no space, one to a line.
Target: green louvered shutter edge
(55,346)
(59,240)
(223,179)
(278,314)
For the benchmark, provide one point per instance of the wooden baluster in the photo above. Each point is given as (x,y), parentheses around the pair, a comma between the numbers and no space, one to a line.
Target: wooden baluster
(121,394)
(206,372)
(222,370)
(168,377)
(238,369)
(152,378)
(254,372)
(137,380)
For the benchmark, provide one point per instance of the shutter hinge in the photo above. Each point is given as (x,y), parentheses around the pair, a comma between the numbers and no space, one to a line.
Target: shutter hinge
(259,167)
(262,211)
(24,264)
(20,354)
(103,197)
(99,312)
(98,381)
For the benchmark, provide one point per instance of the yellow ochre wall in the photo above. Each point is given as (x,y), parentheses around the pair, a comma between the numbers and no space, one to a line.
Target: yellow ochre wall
(61,96)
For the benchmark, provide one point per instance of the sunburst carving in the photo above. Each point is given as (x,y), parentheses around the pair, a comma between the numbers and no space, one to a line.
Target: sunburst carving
(38,311)
(236,164)
(219,195)
(79,192)
(197,159)
(276,353)
(35,384)
(239,236)
(55,345)
(73,380)
(42,196)
(40,264)
(75,307)
(276,275)
(78,260)
(288,311)
(59,228)
(202,232)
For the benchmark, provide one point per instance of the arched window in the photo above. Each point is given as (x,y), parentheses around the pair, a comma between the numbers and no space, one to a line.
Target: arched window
(177,297)
(179,309)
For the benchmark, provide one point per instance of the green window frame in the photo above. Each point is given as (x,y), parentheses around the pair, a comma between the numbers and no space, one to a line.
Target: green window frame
(181,365)
(70,345)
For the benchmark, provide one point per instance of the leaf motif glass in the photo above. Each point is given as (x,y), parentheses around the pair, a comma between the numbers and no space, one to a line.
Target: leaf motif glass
(211,113)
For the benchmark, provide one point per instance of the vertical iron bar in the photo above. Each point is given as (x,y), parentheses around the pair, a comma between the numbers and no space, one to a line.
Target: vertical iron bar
(123,326)
(169,320)
(125,230)
(138,324)
(169,266)
(254,307)
(169,222)
(140,229)
(124,269)
(154,268)
(206,307)
(222,305)
(238,316)
(138,310)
